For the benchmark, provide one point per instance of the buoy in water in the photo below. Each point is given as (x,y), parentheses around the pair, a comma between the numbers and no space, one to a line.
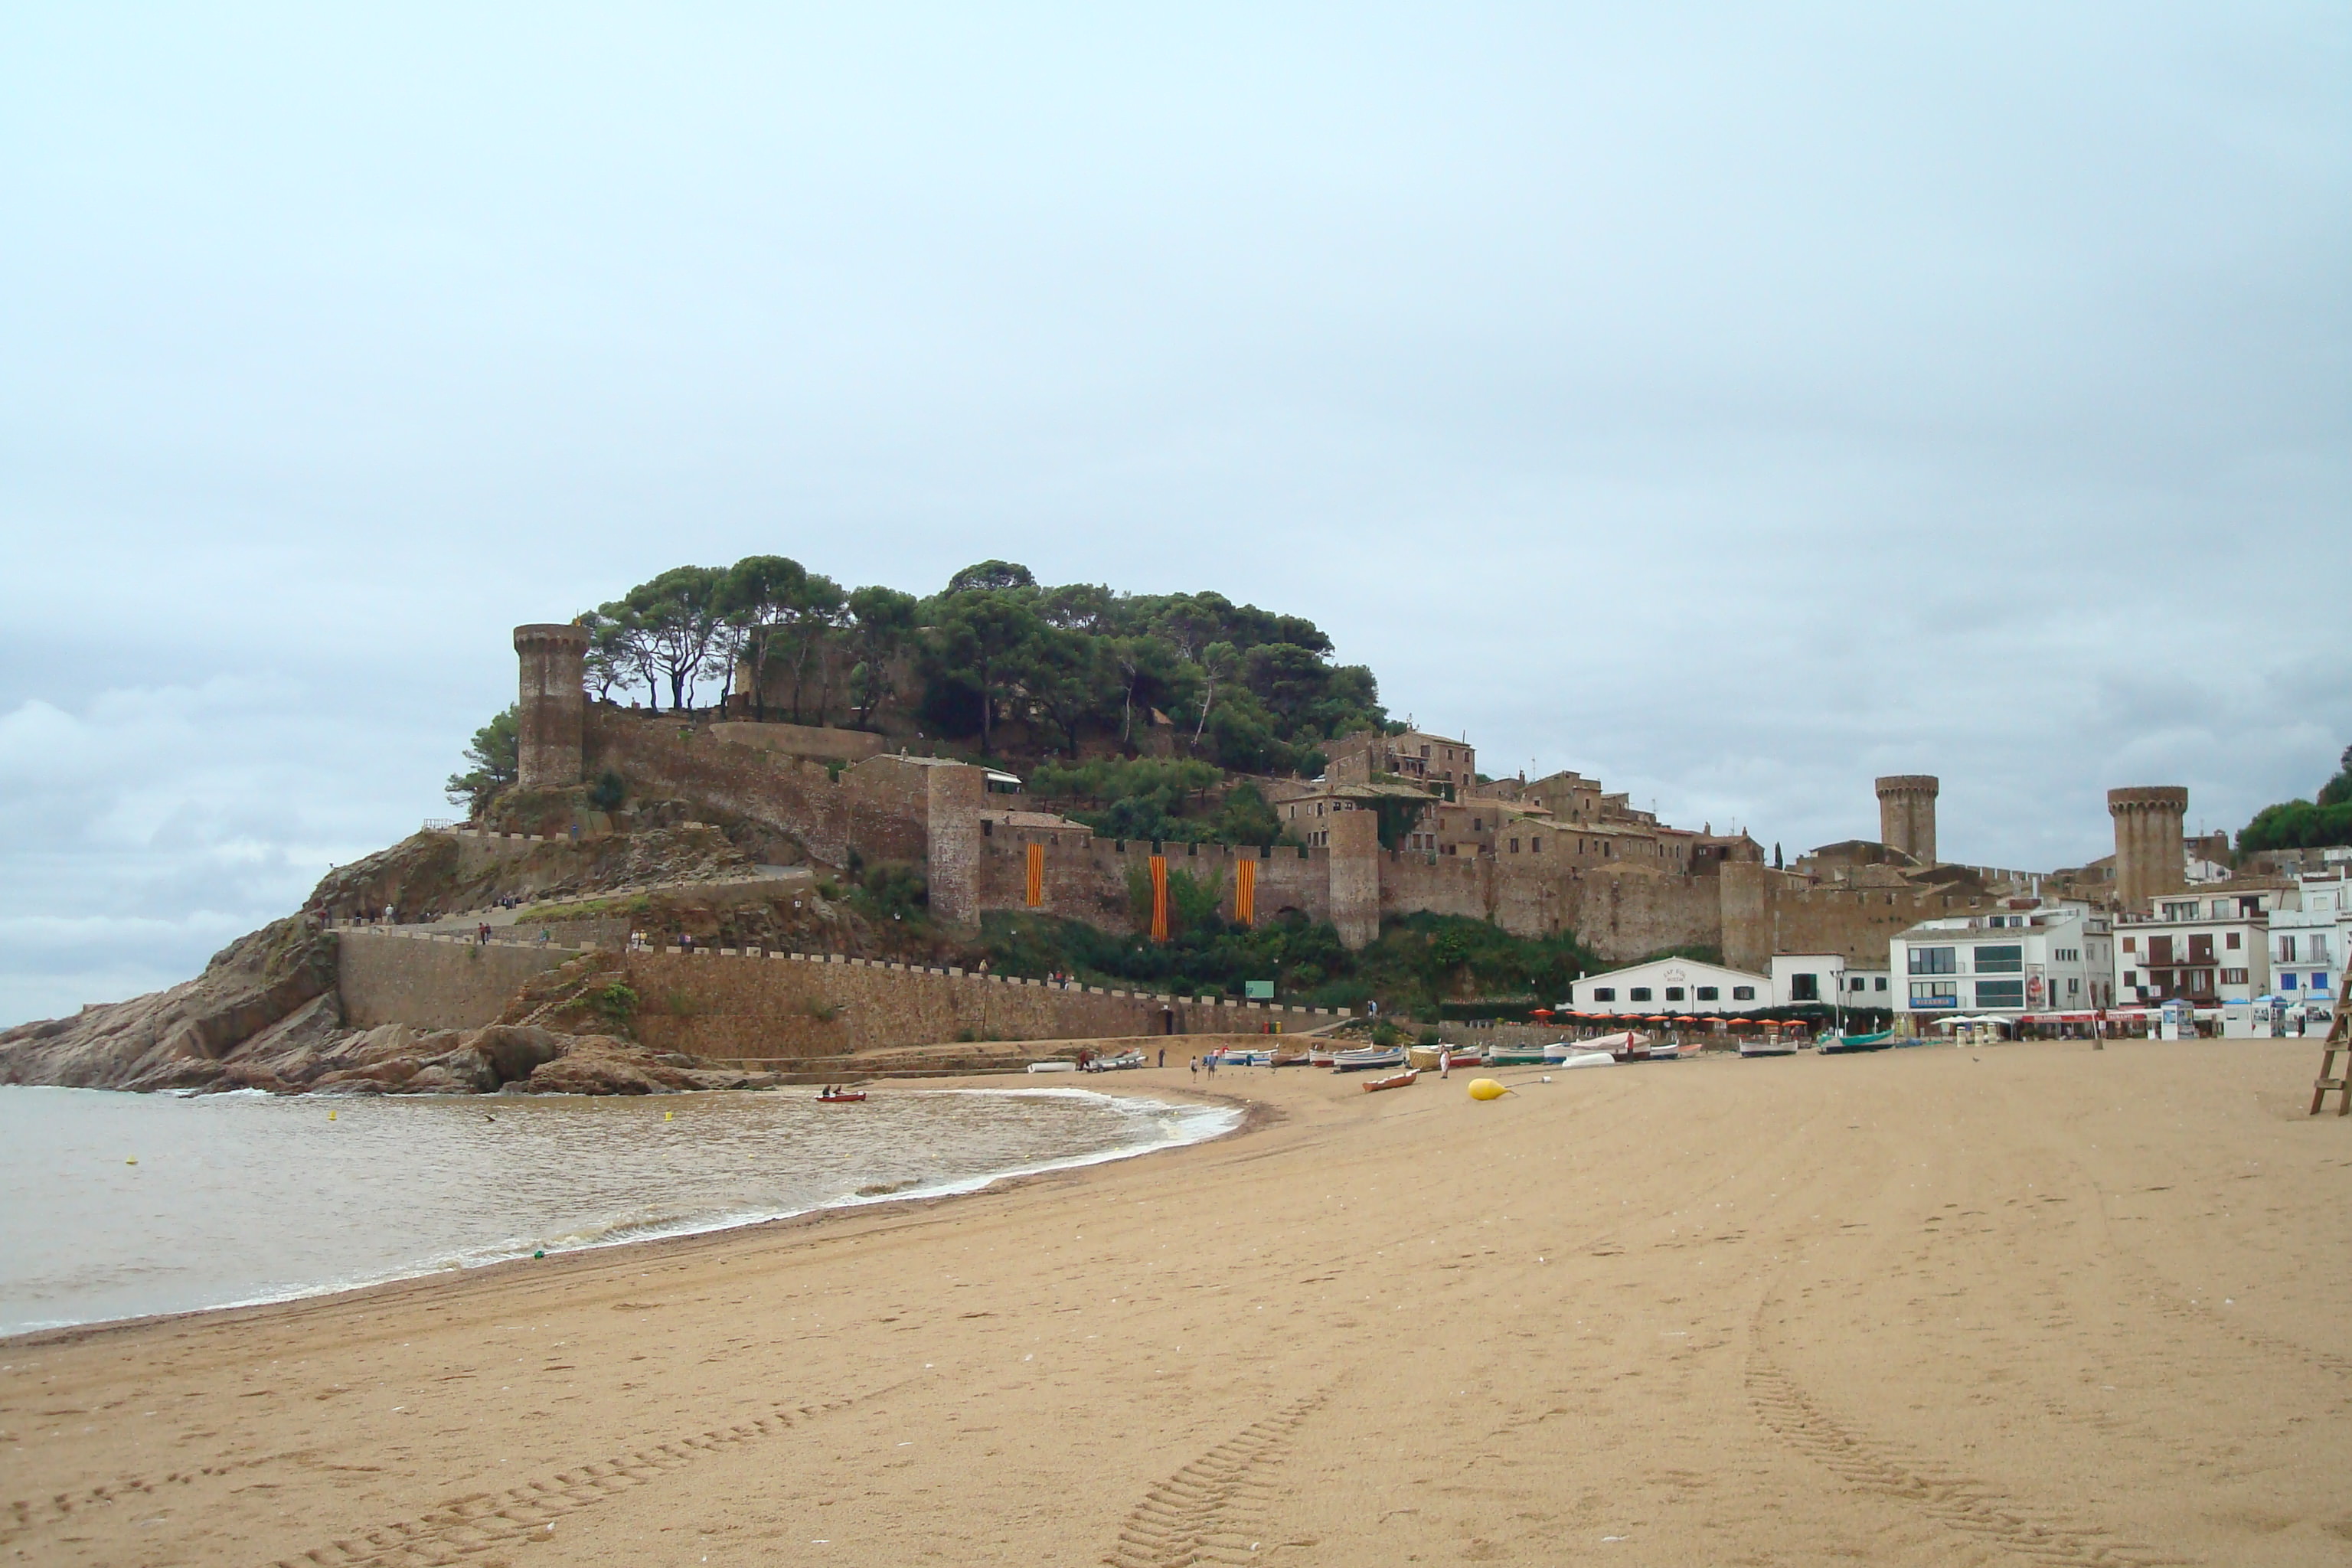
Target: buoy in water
(1486,1089)
(131,1161)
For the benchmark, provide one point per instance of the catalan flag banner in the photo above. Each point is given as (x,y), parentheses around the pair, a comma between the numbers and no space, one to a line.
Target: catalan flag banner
(1246,892)
(1037,875)
(1160,897)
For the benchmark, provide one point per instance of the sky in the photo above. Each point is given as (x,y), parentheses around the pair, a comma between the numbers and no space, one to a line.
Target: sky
(1731,403)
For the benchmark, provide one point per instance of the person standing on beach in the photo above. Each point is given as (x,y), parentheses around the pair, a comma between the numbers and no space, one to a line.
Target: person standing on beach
(1163,1056)
(1192,1064)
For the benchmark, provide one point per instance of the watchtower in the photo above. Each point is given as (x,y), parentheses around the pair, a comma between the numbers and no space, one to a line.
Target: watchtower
(2150,857)
(551,706)
(1906,815)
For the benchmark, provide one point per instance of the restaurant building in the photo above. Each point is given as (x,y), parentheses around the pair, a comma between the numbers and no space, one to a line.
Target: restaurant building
(1670,987)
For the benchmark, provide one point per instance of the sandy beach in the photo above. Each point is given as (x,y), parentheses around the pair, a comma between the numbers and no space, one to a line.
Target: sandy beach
(2027,1303)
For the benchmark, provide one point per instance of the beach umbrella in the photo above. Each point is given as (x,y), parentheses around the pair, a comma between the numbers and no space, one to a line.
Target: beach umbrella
(1540,1013)
(1657,1019)
(1748,1023)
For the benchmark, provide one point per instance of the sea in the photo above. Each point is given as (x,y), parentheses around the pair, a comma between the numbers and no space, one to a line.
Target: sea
(120,1205)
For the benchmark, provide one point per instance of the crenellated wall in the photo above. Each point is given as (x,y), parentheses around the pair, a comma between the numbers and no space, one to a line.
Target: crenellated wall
(742,1007)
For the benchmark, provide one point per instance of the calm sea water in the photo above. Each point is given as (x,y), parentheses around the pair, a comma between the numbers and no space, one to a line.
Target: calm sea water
(245,1198)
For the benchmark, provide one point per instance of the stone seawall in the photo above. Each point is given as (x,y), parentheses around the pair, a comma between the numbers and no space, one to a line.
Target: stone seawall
(434,983)
(740,1006)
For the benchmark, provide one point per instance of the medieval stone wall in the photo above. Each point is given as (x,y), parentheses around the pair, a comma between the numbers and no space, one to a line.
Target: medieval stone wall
(1085,877)
(881,805)
(748,1007)
(435,982)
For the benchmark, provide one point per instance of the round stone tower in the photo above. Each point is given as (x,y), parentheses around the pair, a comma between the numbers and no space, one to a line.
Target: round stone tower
(553,707)
(1906,815)
(2149,855)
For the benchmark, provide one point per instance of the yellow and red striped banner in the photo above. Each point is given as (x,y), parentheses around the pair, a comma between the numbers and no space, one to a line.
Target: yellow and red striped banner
(1246,892)
(1160,897)
(1037,875)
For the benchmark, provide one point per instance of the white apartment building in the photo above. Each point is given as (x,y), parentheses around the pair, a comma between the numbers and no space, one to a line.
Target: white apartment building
(2201,946)
(2054,958)
(1670,985)
(2307,944)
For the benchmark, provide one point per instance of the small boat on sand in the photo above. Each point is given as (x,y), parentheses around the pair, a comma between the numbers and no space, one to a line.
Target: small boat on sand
(1514,1057)
(1053,1067)
(1586,1059)
(1323,1056)
(1844,1044)
(1772,1045)
(1120,1063)
(1394,1080)
(1371,1057)
(842,1097)
(1291,1059)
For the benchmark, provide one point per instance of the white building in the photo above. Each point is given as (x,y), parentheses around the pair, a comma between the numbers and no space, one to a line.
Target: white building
(2201,946)
(2054,958)
(1671,986)
(2307,944)
(1828,979)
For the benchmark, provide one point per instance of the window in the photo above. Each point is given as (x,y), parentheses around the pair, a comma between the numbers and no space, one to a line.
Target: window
(2221,909)
(2233,977)
(1710,994)
(2131,944)
(1743,994)
(1935,994)
(2318,949)
(1604,993)
(1880,983)
(2286,949)
(1515,846)
(1858,983)
(2319,981)
(1638,994)
(2286,980)
(1535,846)
(2000,993)
(2186,911)
(2073,986)
(1674,993)
(2009,960)
(2131,978)
(1804,988)
(1935,961)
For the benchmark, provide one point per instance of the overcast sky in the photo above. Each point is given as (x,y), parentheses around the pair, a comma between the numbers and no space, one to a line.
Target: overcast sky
(1733,404)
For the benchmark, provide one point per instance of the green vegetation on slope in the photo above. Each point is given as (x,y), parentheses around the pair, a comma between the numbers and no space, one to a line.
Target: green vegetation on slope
(1419,962)
(2303,824)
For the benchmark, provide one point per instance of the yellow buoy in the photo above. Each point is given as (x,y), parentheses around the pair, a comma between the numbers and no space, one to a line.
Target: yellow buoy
(1486,1089)
(664,1116)
(331,1115)
(131,1161)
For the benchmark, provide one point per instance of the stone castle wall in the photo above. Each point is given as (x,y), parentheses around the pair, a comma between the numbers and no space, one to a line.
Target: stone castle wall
(1085,877)
(751,1006)
(881,805)
(435,982)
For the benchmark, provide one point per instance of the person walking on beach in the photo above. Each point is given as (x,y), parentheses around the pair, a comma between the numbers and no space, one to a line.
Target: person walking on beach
(1192,1064)
(1163,1056)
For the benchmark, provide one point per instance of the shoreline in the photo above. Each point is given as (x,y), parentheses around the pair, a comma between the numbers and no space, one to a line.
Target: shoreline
(1247,1117)
(1909,1308)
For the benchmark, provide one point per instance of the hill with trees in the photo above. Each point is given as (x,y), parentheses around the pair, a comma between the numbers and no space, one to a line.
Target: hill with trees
(1008,667)
(2305,824)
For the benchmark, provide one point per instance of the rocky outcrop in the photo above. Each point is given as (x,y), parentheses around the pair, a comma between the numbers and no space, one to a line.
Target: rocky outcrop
(183,1037)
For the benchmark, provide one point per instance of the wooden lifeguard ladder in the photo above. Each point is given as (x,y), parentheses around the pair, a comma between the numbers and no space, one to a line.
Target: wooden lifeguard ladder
(2336,1079)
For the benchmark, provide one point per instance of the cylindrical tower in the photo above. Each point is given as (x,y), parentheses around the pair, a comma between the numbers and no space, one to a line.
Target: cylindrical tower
(1906,815)
(2149,856)
(552,706)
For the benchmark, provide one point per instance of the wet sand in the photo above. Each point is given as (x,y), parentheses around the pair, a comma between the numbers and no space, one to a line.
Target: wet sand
(2026,1303)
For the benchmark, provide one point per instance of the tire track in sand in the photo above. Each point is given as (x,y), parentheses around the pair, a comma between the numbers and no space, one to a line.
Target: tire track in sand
(467,1525)
(1198,1514)
(1967,1507)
